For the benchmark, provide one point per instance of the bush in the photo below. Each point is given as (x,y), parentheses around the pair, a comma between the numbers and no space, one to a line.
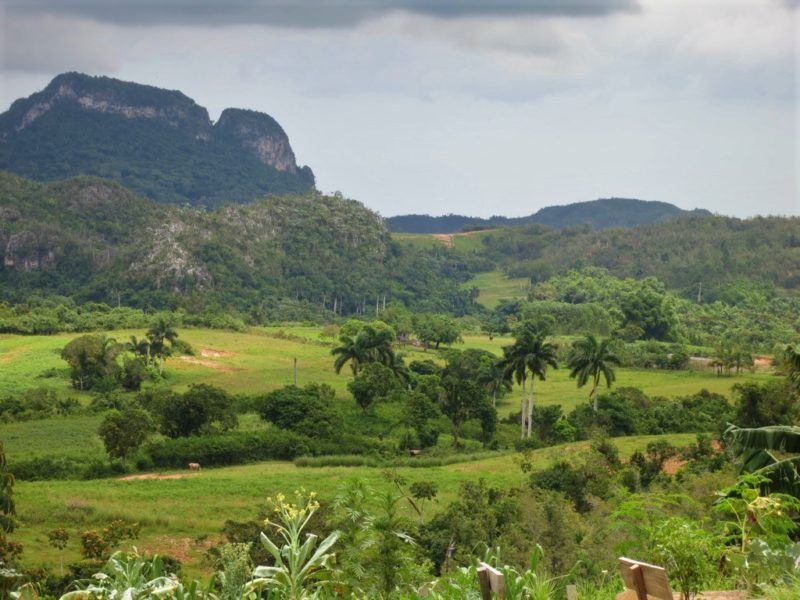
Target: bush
(307,410)
(226,449)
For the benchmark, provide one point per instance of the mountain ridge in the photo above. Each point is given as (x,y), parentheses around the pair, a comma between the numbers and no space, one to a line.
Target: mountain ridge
(603,213)
(158,143)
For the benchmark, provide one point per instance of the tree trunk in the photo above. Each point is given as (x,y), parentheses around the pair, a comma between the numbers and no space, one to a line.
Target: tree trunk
(593,395)
(530,410)
(522,409)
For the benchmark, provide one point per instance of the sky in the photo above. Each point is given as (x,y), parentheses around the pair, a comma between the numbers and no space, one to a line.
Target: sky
(475,107)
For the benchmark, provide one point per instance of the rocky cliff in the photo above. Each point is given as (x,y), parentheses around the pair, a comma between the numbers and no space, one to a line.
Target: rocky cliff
(157,142)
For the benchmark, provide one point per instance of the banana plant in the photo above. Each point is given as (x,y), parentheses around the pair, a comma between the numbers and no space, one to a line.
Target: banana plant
(752,448)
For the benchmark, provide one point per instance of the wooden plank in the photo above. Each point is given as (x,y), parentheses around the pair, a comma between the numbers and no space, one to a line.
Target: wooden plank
(485,584)
(648,581)
(495,579)
(572,592)
(638,582)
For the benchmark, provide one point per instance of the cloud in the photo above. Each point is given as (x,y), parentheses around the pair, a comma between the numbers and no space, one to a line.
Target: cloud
(304,13)
(49,44)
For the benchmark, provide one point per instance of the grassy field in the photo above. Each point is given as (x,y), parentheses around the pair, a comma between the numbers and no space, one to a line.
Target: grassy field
(177,513)
(262,360)
(496,285)
(192,506)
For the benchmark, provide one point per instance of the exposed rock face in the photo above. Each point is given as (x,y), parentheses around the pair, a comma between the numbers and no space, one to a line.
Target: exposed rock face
(109,96)
(158,143)
(261,134)
(29,250)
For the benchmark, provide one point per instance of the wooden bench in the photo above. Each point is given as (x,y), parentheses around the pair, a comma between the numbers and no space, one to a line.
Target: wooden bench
(650,582)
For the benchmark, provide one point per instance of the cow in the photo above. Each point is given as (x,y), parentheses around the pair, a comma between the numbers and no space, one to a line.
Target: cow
(194,466)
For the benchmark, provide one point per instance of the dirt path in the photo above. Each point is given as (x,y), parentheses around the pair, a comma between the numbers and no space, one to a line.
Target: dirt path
(156,476)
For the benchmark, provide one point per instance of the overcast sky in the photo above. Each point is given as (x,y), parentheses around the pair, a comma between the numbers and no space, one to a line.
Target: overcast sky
(477,107)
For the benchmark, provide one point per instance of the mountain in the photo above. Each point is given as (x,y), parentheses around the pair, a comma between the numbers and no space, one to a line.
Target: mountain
(91,238)
(158,143)
(604,213)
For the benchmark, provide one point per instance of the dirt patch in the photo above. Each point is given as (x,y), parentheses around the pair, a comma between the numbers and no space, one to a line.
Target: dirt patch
(205,363)
(213,353)
(184,549)
(762,361)
(157,476)
(445,238)
(673,465)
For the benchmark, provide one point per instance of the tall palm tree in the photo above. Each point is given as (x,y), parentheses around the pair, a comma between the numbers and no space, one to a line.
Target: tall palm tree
(159,333)
(529,354)
(592,359)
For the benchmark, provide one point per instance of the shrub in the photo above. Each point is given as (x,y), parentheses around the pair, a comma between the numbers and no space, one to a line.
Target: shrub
(307,410)
(227,448)
(688,553)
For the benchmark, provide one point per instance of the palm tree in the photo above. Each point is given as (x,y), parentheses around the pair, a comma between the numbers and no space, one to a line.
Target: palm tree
(160,332)
(369,345)
(529,353)
(139,348)
(493,378)
(400,370)
(591,359)
(752,448)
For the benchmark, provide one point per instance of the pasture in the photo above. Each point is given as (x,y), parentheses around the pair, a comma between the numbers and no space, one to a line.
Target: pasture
(262,360)
(191,508)
(182,514)
(496,285)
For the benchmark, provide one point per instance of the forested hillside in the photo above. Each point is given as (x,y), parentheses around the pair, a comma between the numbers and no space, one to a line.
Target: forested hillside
(159,143)
(600,214)
(284,257)
(685,255)
(93,240)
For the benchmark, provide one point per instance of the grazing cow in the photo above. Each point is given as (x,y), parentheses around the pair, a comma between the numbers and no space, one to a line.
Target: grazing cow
(194,466)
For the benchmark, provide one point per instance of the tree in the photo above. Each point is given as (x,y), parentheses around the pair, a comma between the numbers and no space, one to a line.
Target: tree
(529,354)
(492,377)
(371,344)
(463,397)
(161,332)
(418,411)
(309,410)
(373,382)
(763,404)
(139,347)
(8,550)
(202,408)
(124,431)
(436,329)
(92,361)
(793,363)
(133,373)
(591,359)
